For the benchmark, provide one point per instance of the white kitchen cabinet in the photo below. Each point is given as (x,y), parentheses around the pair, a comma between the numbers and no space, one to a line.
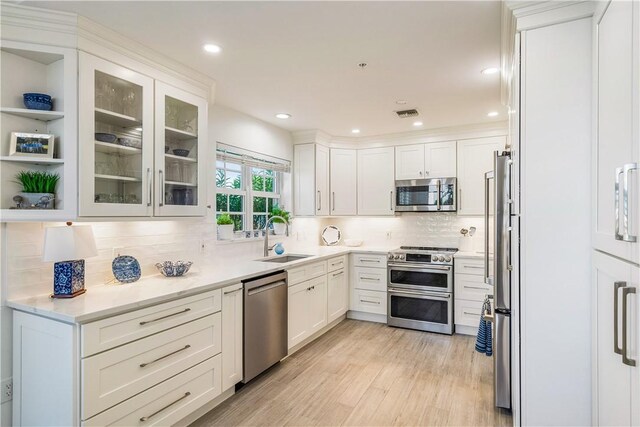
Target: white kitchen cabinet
(180,142)
(368,287)
(617,139)
(307,309)
(146,171)
(116,177)
(616,380)
(470,292)
(232,319)
(375,181)
(28,67)
(136,369)
(440,159)
(410,161)
(337,294)
(343,181)
(310,180)
(475,158)
(433,160)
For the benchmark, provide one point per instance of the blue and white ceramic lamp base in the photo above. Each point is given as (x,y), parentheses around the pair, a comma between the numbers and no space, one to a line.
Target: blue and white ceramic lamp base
(68,279)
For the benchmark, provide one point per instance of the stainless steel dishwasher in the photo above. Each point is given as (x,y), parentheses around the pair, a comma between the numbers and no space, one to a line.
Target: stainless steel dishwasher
(265,323)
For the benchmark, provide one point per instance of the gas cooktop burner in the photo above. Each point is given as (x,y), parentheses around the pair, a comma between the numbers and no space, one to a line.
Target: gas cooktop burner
(422,255)
(428,248)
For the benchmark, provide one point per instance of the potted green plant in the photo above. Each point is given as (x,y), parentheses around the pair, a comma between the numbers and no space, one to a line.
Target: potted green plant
(279,226)
(225,227)
(38,189)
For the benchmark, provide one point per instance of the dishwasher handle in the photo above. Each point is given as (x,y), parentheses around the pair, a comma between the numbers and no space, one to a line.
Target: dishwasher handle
(263,288)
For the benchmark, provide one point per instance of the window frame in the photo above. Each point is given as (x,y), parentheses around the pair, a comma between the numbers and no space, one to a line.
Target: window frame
(248,193)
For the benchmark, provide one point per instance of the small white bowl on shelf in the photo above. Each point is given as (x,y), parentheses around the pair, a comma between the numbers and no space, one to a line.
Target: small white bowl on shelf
(353,242)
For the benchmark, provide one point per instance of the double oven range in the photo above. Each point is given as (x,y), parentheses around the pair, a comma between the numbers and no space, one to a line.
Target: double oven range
(420,288)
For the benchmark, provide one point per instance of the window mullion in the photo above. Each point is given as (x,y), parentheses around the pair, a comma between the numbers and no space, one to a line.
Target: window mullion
(246,172)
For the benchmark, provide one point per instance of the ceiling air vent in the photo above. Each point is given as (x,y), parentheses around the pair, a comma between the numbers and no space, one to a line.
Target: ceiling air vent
(403,114)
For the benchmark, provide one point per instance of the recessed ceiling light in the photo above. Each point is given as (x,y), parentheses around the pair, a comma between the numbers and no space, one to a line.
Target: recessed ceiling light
(417,123)
(401,102)
(491,70)
(283,115)
(212,48)
(492,114)
(355,130)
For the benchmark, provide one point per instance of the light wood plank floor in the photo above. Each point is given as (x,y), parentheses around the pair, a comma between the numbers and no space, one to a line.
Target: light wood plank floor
(368,374)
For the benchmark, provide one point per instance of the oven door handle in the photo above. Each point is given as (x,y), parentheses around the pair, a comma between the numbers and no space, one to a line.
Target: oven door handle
(443,296)
(421,267)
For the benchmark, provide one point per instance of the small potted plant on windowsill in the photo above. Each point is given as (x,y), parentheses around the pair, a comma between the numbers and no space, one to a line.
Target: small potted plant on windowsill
(38,189)
(225,227)
(279,226)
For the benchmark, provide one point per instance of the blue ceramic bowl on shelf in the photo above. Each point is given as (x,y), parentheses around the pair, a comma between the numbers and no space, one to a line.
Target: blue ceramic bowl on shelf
(37,101)
(126,269)
(173,269)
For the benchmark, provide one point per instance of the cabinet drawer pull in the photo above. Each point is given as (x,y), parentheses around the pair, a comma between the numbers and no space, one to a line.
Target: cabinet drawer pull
(164,317)
(371,279)
(369,260)
(233,291)
(150,186)
(474,267)
(471,314)
(370,302)
(475,287)
(319,200)
(142,365)
(625,293)
(338,273)
(336,263)
(187,394)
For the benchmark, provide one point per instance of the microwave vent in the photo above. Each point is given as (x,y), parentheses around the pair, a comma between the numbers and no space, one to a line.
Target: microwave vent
(403,114)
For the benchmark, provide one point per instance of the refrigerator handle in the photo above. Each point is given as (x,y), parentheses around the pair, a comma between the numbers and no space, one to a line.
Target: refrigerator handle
(487,179)
(625,293)
(616,287)
(626,169)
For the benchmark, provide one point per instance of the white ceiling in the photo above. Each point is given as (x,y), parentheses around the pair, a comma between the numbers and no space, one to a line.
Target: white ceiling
(301,57)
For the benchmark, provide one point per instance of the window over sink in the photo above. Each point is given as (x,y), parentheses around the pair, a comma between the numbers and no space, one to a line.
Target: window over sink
(248,186)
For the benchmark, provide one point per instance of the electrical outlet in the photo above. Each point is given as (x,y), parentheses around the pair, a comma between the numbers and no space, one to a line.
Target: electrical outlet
(388,235)
(7,390)
(202,247)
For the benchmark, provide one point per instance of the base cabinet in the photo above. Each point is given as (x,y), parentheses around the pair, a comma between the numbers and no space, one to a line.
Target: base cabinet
(337,295)
(616,357)
(157,378)
(307,309)
(232,310)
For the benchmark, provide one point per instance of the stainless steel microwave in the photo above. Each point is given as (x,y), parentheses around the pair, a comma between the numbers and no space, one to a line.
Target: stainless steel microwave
(426,195)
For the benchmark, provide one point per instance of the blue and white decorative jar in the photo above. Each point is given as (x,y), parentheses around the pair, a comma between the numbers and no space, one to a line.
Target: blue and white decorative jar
(278,249)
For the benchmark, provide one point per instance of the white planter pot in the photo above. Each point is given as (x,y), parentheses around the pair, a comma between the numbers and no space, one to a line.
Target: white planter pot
(225,232)
(39,200)
(279,228)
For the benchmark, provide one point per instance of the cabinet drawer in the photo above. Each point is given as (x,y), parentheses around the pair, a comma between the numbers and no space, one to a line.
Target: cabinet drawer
(369,301)
(337,263)
(117,330)
(113,376)
(370,260)
(373,279)
(306,272)
(167,402)
(469,266)
(467,312)
(469,287)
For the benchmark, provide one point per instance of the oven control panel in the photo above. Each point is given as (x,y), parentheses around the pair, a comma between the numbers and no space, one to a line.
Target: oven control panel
(396,257)
(421,258)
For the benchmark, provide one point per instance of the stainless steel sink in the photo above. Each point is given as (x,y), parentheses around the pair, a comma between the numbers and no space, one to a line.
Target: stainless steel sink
(284,258)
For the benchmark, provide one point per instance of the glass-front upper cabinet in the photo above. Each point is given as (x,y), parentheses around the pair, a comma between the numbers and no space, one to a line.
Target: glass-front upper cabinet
(115,140)
(181,133)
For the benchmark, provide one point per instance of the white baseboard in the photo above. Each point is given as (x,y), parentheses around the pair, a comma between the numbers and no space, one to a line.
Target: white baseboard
(368,317)
(466,330)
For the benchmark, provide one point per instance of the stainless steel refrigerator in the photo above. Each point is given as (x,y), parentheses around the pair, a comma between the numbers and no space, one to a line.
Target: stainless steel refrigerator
(498,227)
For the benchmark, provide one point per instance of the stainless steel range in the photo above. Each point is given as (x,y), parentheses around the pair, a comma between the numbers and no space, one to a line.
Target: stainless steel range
(420,288)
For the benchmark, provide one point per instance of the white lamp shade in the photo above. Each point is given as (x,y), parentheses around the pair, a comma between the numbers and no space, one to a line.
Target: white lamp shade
(69,243)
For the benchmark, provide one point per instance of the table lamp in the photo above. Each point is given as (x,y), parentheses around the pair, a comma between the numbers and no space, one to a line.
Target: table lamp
(67,247)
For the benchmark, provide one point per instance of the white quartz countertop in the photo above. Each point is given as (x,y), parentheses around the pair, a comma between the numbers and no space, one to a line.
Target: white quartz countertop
(478,255)
(104,300)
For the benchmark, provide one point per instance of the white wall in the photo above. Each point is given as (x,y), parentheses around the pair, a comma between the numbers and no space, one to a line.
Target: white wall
(555,224)
(238,129)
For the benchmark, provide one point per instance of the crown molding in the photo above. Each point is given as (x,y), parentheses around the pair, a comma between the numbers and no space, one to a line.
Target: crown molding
(536,14)
(36,25)
(97,39)
(451,133)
